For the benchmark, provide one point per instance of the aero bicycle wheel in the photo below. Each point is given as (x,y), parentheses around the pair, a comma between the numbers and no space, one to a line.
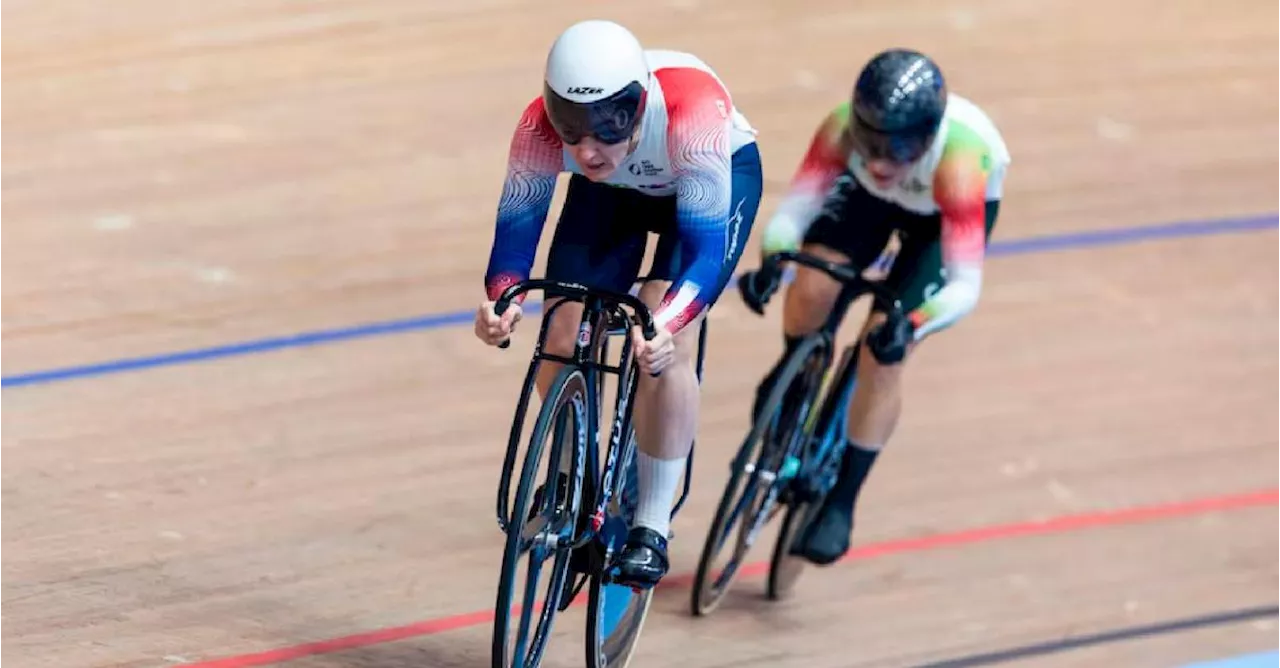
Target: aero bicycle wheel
(785,568)
(541,528)
(615,612)
(757,474)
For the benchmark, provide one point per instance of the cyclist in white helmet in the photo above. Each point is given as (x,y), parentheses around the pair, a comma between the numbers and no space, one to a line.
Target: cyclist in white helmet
(653,144)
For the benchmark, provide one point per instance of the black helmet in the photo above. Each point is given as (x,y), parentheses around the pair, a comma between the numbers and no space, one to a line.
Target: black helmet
(898,104)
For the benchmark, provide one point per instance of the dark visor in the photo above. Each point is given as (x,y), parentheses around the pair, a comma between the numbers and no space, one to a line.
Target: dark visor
(611,120)
(898,147)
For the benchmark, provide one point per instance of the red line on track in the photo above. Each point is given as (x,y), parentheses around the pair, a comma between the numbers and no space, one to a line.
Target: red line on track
(1061,524)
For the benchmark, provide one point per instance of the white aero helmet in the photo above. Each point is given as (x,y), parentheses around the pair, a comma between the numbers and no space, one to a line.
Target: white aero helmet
(595,83)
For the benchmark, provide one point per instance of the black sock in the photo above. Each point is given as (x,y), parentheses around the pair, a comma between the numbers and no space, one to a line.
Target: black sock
(854,467)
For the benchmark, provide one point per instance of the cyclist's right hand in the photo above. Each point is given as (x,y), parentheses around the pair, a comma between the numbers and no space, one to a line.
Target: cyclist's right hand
(758,286)
(493,329)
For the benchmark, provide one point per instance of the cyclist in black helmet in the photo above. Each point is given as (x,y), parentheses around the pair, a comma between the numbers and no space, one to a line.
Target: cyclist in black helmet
(899,102)
(903,158)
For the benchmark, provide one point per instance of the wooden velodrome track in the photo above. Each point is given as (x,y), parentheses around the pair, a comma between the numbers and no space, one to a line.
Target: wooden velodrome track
(184,175)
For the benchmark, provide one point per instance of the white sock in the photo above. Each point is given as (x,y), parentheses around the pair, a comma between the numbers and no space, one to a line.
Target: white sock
(658,481)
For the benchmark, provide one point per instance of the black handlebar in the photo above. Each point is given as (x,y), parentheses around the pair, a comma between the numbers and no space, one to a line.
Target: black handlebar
(574,291)
(844,273)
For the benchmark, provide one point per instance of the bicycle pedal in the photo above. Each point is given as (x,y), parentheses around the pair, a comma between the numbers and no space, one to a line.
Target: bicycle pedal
(611,578)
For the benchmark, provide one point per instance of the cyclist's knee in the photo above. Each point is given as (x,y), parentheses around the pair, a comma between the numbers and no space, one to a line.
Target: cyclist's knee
(652,293)
(681,370)
(687,340)
(562,330)
(871,373)
(811,295)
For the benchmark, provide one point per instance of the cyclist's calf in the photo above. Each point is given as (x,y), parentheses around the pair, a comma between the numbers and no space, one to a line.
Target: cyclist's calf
(877,396)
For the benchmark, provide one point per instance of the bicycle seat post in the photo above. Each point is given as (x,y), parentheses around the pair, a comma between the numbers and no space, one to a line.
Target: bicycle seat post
(582,345)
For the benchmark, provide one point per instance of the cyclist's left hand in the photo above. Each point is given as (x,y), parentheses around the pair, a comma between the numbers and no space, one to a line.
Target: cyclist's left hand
(656,355)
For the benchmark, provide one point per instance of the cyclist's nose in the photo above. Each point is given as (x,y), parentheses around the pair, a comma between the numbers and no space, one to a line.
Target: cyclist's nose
(586,152)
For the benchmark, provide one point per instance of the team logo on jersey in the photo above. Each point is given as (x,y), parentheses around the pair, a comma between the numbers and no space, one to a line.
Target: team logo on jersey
(644,167)
(735,223)
(724,111)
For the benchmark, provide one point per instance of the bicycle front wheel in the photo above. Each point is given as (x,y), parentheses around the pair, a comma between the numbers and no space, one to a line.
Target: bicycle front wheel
(757,474)
(542,526)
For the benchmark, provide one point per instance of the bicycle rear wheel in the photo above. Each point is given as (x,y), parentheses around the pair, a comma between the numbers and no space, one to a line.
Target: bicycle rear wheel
(542,526)
(785,568)
(757,475)
(616,613)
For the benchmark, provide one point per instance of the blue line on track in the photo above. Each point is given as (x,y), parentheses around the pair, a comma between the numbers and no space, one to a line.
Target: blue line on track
(1056,242)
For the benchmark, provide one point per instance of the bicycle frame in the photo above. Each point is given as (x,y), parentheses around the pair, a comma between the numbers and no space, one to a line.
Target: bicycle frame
(837,388)
(603,315)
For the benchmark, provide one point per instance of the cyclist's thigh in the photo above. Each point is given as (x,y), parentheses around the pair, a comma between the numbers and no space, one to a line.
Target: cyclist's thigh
(918,271)
(669,260)
(854,227)
(596,242)
(594,245)
(853,222)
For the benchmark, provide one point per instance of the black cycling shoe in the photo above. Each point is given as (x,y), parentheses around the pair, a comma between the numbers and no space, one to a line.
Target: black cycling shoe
(643,560)
(827,538)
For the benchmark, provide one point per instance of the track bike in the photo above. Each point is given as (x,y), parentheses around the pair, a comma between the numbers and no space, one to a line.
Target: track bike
(790,458)
(578,518)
